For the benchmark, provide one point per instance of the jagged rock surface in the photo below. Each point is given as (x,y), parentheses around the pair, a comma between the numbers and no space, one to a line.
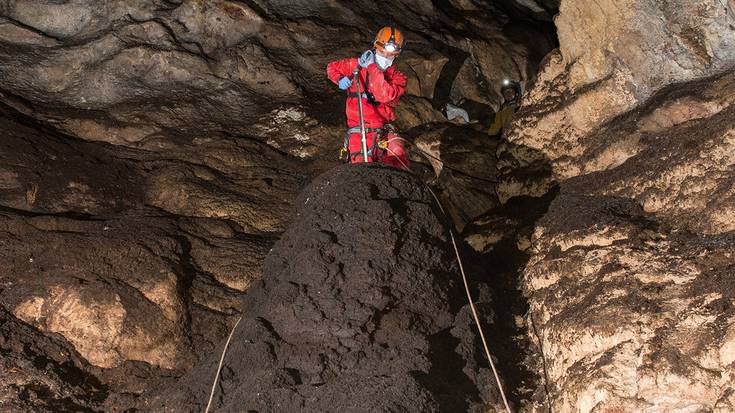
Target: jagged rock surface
(613,57)
(151,151)
(649,244)
(129,71)
(631,315)
(360,308)
(464,169)
(627,278)
(193,116)
(97,282)
(41,373)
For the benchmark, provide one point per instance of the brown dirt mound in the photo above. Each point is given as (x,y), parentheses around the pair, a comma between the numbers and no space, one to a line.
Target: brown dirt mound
(361,308)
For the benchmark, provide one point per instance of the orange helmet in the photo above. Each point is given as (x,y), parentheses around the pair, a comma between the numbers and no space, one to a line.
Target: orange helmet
(389,40)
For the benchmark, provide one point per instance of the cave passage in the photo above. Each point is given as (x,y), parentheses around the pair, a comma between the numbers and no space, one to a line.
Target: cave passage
(152,157)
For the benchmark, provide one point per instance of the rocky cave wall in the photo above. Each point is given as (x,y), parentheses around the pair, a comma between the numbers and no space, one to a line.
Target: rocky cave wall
(152,151)
(340,322)
(126,71)
(628,278)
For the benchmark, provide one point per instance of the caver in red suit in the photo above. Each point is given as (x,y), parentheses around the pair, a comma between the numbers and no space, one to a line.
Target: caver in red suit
(384,88)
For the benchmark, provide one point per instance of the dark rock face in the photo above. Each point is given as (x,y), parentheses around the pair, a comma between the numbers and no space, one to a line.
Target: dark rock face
(360,308)
(154,150)
(104,294)
(465,168)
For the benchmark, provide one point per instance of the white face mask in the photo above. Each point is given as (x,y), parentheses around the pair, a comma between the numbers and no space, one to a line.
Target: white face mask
(384,62)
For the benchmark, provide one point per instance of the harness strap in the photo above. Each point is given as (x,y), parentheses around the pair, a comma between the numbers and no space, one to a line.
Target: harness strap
(356,129)
(370,97)
(374,147)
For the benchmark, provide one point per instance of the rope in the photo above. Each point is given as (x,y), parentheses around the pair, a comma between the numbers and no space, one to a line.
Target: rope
(219,368)
(467,290)
(477,321)
(444,165)
(543,361)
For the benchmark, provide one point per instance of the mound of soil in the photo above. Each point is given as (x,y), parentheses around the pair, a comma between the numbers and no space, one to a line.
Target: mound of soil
(361,308)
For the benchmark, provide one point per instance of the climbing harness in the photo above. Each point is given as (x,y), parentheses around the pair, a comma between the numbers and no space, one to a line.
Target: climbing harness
(361,129)
(467,290)
(374,149)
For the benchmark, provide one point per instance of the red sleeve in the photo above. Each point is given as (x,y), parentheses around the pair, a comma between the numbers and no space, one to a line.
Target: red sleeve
(340,68)
(384,88)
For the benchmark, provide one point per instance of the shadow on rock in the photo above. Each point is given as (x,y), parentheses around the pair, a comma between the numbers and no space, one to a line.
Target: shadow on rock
(494,191)
(98,282)
(497,243)
(465,173)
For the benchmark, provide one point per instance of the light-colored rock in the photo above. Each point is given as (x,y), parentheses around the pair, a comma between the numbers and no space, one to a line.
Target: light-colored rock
(629,319)
(93,329)
(127,251)
(675,159)
(142,318)
(613,57)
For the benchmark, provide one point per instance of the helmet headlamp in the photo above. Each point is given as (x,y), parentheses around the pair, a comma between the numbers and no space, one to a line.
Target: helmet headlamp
(389,40)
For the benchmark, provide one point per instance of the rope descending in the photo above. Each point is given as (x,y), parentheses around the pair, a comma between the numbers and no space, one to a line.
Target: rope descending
(467,290)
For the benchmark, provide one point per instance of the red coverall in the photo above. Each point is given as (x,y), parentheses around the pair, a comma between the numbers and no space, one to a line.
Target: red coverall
(386,87)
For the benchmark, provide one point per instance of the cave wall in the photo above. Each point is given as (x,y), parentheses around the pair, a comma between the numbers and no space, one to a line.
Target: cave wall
(151,150)
(195,123)
(627,278)
(613,56)
(123,71)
